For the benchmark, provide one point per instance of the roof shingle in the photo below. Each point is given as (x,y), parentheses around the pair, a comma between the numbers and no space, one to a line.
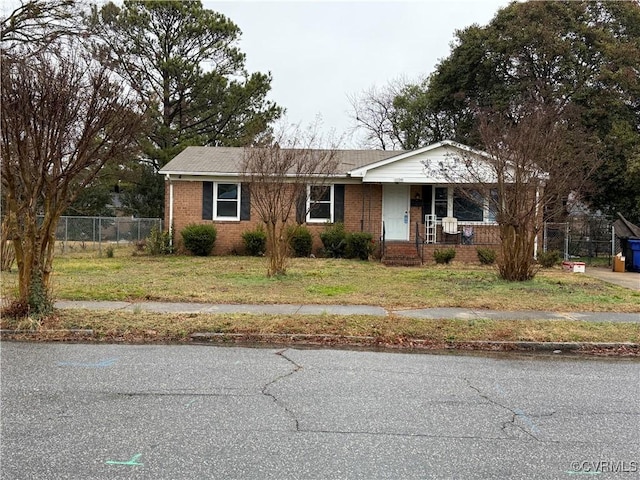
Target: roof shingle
(228,160)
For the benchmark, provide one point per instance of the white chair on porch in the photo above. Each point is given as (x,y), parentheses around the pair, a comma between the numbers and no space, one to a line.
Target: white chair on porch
(449,229)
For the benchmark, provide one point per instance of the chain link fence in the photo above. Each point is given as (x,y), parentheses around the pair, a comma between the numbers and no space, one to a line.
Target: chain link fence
(75,233)
(587,237)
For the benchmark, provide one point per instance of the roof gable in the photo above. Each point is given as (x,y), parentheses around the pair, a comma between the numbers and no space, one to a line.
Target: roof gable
(442,162)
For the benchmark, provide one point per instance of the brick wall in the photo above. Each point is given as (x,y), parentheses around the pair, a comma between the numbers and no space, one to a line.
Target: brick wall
(363,211)
(464,253)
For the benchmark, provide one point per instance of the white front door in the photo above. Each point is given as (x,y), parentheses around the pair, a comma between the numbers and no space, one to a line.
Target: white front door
(395,211)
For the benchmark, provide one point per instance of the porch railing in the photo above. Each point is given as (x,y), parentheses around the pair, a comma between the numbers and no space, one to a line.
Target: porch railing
(476,233)
(419,243)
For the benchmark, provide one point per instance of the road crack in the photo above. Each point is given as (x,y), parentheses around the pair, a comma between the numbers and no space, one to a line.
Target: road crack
(265,389)
(516,413)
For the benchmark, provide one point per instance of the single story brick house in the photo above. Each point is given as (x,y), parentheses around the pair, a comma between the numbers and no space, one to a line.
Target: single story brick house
(402,198)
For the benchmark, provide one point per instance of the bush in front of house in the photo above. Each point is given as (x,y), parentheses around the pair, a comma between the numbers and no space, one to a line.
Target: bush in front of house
(359,245)
(199,239)
(486,256)
(300,241)
(444,255)
(549,259)
(334,240)
(159,242)
(255,242)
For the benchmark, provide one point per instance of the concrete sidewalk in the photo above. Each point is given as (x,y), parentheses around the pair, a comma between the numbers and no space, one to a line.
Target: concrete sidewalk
(299,309)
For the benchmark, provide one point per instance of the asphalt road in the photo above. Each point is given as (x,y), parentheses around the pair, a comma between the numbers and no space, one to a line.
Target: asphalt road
(174,412)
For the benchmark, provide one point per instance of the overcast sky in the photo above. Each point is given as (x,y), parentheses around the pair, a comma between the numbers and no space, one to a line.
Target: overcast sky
(318,52)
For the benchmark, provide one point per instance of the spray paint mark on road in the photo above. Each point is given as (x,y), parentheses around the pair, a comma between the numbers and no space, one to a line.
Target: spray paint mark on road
(132,462)
(517,412)
(104,363)
(527,420)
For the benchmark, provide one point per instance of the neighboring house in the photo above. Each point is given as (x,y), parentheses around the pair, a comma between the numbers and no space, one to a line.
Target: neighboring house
(397,196)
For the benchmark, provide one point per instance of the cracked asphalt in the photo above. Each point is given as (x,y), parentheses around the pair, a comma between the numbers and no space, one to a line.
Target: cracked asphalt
(173,412)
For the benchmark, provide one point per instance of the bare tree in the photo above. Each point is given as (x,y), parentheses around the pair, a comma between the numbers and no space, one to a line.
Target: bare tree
(62,118)
(536,157)
(373,112)
(279,176)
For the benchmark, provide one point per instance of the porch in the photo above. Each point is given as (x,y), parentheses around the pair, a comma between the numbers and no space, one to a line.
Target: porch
(425,238)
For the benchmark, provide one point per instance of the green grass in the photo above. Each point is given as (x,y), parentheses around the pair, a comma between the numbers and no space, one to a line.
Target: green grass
(88,276)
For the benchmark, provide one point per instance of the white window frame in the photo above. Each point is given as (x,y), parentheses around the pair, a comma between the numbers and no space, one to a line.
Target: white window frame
(331,203)
(215,202)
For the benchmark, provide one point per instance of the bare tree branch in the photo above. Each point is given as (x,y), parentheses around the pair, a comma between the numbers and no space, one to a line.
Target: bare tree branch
(62,118)
(278,176)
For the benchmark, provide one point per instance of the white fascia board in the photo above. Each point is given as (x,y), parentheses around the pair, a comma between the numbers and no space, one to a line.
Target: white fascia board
(198,176)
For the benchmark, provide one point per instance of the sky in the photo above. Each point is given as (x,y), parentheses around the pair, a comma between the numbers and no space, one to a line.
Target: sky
(320,52)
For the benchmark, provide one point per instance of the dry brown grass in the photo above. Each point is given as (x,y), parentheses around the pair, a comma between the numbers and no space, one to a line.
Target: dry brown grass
(144,326)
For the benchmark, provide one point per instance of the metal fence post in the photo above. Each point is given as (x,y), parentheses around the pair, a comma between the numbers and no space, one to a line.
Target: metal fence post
(66,235)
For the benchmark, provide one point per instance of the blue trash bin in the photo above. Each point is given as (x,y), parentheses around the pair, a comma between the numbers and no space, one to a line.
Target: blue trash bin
(634,245)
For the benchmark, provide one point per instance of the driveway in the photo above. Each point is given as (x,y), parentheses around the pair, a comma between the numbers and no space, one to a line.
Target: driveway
(174,412)
(623,279)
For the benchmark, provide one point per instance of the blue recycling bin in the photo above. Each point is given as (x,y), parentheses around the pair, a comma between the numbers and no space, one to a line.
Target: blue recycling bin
(634,245)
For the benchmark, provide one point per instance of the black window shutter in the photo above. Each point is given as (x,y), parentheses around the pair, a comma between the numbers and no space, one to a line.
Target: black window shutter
(338,203)
(301,207)
(245,202)
(207,200)
(427,194)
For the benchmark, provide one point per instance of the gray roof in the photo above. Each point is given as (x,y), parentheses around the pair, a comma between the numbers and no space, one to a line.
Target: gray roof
(625,229)
(228,160)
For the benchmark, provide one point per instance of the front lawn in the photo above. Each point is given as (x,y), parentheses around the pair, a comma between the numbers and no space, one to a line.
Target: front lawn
(237,279)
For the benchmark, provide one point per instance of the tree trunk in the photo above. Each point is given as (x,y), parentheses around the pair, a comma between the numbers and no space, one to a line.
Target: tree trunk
(516,261)
(7,253)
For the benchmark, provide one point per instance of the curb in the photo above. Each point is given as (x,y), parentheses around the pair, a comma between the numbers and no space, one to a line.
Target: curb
(409,343)
(327,340)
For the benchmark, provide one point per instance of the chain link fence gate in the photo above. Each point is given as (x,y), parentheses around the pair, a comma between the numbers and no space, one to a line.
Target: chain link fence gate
(588,237)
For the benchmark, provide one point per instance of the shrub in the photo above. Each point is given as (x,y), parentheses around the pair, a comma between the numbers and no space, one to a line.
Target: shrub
(486,256)
(255,242)
(300,240)
(549,259)
(445,255)
(159,242)
(199,239)
(334,240)
(110,251)
(359,245)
